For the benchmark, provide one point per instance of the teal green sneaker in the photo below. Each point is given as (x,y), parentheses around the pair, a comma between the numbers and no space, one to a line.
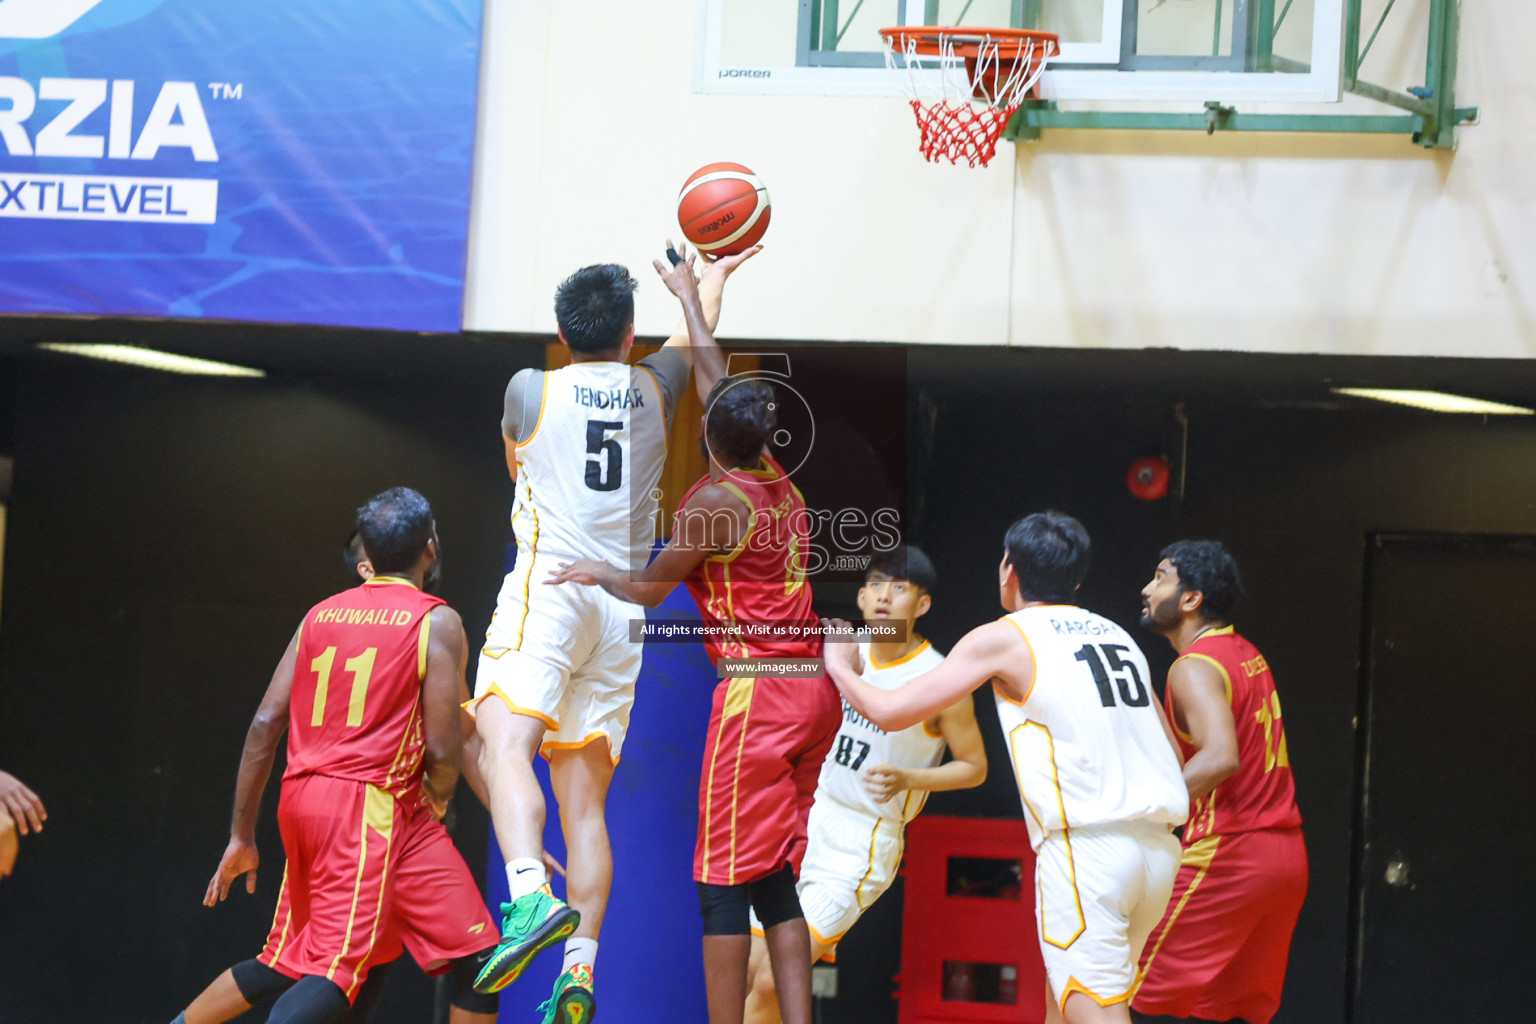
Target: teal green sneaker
(572,1001)
(530,925)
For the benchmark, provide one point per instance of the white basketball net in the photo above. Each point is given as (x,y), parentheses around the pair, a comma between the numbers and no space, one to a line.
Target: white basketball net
(953,123)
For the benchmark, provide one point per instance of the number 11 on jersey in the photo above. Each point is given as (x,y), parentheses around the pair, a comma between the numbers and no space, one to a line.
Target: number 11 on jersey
(361,668)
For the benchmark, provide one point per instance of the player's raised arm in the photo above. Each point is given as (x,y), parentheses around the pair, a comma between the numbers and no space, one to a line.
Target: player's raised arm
(266,731)
(694,338)
(441,689)
(996,649)
(713,521)
(1200,692)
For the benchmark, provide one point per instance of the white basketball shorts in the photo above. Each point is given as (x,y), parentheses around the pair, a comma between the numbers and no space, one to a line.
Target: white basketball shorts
(561,654)
(1100,890)
(851,858)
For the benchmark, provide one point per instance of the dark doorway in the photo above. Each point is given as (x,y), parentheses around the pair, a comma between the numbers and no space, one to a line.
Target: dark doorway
(1443,883)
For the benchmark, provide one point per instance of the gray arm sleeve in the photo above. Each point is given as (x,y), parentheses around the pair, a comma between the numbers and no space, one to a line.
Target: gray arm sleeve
(671,371)
(520,410)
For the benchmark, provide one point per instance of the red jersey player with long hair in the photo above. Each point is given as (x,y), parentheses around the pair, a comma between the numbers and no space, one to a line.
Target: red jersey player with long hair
(368,691)
(740,543)
(1220,951)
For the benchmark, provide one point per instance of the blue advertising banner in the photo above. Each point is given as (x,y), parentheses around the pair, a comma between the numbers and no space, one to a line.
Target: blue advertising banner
(283,160)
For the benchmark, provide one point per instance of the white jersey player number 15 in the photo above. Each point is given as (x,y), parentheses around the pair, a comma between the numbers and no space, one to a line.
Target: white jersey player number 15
(1087,723)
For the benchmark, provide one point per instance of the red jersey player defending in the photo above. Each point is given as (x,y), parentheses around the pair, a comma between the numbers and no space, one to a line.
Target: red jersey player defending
(1220,952)
(739,543)
(369,690)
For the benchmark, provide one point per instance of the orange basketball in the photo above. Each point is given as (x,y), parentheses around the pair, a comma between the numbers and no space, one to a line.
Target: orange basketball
(723,209)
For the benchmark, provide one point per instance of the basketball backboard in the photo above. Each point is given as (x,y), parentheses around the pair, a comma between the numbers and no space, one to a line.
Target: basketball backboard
(1287,51)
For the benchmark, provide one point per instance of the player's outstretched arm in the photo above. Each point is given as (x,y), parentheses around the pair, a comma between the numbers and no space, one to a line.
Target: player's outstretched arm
(267,728)
(713,521)
(441,689)
(700,349)
(1200,692)
(966,769)
(994,650)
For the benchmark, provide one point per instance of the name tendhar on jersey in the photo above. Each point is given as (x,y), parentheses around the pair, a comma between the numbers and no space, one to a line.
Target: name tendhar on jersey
(613,398)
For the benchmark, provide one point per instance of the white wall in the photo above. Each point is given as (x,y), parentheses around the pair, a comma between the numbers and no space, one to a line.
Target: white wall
(1276,243)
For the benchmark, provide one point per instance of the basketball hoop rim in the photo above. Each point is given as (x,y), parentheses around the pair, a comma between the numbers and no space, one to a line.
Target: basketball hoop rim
(939,40)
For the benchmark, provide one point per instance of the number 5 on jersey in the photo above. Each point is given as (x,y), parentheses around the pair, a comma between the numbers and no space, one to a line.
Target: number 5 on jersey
(605,456)
(361,668)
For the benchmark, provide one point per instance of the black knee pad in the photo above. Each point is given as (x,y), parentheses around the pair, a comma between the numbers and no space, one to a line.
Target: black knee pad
(461,985)
(775,899)
(368,996)
(312,1000)
(257,981)
(725,909)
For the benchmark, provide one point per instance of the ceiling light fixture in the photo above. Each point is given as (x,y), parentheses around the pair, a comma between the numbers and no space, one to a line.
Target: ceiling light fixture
(152,359)
(1436,401)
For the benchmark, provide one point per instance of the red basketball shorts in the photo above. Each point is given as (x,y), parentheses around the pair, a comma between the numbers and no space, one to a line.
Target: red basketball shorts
(1222,946)
(365,876)
(767,740)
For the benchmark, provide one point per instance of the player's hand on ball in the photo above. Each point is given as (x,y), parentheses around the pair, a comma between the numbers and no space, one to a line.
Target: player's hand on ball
(680,278)
(725,266)
(23,805)
(884,781)
(240,858)
(585,571)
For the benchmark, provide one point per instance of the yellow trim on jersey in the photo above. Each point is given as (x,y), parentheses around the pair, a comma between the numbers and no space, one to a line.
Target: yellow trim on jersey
(736,699)
(405,734)
(762,472)
(282,939)
(741,545)
(925,645)
(382,812)
(1199,855)
(1073,985)
(374,581)
(512,706)
(543,404)
(743,705)
(730,607)
(1034,677)
(1023,796)
(1225,677)
(423,639)
(533,552)
(858,891)
(930,733)
(380,820)
(1223,631)
(591,737)
(1066,835)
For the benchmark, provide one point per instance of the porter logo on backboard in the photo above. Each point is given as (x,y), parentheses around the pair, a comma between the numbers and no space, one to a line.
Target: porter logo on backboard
(41,19)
